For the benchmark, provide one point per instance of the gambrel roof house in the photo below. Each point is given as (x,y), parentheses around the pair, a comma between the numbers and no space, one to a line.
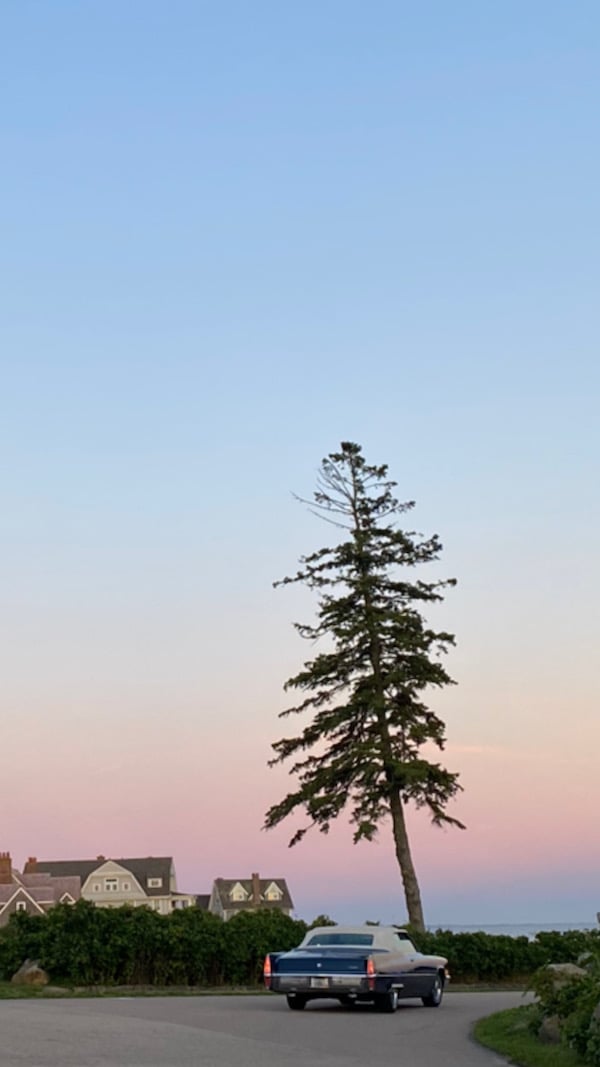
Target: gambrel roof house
(34,894)
(149,881)
(230,895)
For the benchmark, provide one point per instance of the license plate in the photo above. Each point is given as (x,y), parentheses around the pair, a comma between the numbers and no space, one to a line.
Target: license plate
(319,983)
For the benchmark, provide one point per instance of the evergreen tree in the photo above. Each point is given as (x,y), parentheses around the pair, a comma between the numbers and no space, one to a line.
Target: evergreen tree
(363,748)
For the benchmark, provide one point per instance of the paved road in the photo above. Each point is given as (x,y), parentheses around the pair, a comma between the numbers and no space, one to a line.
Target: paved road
(242,1032)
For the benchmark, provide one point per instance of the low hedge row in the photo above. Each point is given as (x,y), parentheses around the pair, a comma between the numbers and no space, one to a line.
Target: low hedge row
(480,957)
(85,945)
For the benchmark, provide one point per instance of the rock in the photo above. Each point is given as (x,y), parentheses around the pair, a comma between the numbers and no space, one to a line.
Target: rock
(30,973)
(549,1030)
(562,973)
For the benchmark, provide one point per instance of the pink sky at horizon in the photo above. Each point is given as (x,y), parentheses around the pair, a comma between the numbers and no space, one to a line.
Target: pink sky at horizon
(156,755)
(515,836)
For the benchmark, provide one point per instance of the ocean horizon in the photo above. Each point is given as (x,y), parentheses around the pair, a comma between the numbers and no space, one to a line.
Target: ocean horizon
(513,929)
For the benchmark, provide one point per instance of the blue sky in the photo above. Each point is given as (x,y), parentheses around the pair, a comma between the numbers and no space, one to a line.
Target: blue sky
(233,235)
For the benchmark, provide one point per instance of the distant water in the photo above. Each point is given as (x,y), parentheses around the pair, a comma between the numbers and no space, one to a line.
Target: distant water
(513,929)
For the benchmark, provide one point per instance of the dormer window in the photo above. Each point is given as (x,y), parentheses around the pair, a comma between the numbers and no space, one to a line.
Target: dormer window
(238,893)
(273,892)
(155,883)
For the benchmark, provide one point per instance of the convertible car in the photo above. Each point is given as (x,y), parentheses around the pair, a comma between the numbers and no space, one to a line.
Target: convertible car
(376,964)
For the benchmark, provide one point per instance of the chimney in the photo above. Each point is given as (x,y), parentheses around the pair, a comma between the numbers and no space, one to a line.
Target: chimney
(5,869)
(31,865)
(256,890)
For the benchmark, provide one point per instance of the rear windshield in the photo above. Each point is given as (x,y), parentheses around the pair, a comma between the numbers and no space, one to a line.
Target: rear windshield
(341,939)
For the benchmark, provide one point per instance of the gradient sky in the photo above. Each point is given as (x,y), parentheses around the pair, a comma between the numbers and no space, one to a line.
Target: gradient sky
(233,235)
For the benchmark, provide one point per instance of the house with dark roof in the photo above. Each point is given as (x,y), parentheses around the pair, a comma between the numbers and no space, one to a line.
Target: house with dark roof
(33,894)
(231,895)
(109,883)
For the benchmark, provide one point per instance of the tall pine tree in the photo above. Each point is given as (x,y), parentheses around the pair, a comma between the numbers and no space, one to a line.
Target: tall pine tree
(363,747)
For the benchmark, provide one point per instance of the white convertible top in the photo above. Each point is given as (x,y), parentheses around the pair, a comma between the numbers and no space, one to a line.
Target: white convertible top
(385,938)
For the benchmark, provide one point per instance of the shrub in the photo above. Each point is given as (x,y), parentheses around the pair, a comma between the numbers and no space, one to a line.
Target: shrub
(575,1001)
(480,957)
(249,936)
(86,945)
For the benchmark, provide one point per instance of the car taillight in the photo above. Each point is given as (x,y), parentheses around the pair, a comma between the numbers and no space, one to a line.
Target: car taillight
(267,972)
(370,973)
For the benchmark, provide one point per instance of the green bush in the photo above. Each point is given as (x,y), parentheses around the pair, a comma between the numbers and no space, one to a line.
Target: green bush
(480,957)
(85,945)
(575,1001)
(249,936)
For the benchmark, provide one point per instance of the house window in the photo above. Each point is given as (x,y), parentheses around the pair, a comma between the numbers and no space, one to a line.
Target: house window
(126,886)
(111,885)
(274,894)
(154,883)
(96,887)
(238,893)
(21,905)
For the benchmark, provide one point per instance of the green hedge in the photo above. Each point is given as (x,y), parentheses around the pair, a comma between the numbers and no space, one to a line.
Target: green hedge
(480,957)
(86,945)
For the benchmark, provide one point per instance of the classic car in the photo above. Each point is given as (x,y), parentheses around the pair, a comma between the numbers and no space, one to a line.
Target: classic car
(376,964)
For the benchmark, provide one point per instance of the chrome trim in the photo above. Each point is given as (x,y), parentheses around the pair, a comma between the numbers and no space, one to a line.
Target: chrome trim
(358,977)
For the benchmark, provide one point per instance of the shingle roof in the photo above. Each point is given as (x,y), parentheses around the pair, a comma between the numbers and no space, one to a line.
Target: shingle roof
(42,888)
(224,886)
(142,870)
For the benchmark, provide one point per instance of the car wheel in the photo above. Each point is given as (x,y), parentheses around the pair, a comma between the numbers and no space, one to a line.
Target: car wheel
(387,1002)
(434,998)
(296,1003)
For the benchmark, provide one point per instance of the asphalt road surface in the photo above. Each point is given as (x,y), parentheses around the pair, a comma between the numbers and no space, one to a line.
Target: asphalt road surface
(250,1031)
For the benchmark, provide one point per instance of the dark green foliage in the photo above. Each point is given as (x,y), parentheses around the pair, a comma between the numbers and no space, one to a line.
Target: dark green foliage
(88,946)
(321,920)
(195,943)
(362,749)
(480,957)
(567,947)
(83,945)
(249,936)
(574,1001)
(22,939)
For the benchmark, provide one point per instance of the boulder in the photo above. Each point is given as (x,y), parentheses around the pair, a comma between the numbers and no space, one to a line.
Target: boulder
(562,973)
(30,973)
(549,1030)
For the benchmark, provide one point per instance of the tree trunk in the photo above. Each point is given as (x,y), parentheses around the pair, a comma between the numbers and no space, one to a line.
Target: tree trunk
(407,869)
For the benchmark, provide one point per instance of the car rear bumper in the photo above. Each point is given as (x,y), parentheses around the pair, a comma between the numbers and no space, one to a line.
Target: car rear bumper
(351,985)
(319,985)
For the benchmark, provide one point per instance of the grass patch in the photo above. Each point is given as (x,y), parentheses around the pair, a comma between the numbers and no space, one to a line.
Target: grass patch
(54,992)
(508,1032)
